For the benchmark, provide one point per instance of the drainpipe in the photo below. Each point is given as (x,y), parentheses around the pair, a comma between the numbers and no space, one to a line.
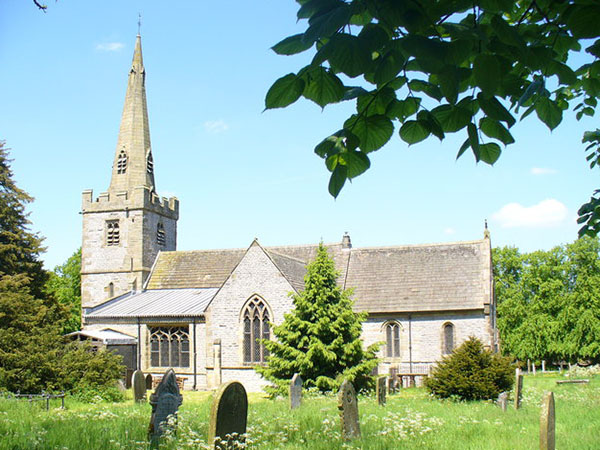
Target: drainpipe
(139,346)
(410,343)
(195,353)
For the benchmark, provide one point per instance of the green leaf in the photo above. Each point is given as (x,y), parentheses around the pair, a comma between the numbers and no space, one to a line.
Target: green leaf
(388,67)
(489,153)
(284,91)
(486,71)
(583,21)
(452,118)
(424,86)
(353,92)
(594,49)
(347,54)
(532,89)
(315,7)
(506,33)
(434,125)
(496,130)
(323,87)
(402,109)
(494,109)
(473,139)
(463,148)
(548,112)
(449,81)
(372,131)
(413,131)
(337,180)
(326,146)
(356,163)
(291,45)
(325,25)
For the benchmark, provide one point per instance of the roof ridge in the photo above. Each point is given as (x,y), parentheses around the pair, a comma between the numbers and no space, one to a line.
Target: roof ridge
(286,256)
(434,244)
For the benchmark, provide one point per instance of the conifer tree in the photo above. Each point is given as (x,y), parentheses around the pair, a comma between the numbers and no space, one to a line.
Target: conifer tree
(320,337)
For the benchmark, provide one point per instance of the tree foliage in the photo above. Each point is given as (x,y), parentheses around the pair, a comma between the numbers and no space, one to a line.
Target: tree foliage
(64,284)
(471,373)
(549,301)
(430,68)
(320,337)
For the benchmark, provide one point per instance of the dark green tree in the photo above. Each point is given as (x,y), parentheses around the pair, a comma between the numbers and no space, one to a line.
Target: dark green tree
(434,67)
(64,284)
(320,337)
(471,373)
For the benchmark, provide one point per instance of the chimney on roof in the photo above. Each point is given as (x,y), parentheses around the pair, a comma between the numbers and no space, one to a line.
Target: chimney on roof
(486,232)
(346,242)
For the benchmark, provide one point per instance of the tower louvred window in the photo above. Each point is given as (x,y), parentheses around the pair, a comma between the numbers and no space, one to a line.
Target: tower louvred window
(150,163)
(160,235)
(122,162)
(112,232)
(256,327)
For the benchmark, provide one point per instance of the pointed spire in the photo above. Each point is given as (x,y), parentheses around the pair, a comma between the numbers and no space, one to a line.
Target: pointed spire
(133,165)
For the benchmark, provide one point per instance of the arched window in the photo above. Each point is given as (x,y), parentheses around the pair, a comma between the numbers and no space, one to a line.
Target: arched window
(149,163)
(122,162)
(169,347)
(112,232)
(160,234)
(392,335)
(110,289)
(448,336)
(256,327)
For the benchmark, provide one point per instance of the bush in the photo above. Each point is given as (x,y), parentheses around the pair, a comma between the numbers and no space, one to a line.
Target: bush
(471,373)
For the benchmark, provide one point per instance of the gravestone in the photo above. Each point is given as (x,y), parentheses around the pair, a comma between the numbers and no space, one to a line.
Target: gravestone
(518,388)
(528,366)
(533,368)
(380,390)
(547,423)
(149,381)
(138,384)
(502,401)
(348,407)
(543,366)
(296,391)
(228,416)
(165,402)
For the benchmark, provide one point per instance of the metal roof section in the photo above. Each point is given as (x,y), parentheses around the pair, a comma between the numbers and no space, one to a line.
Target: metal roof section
(155,303)
(106,336)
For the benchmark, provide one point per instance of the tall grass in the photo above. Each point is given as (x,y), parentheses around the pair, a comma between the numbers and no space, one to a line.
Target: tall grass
(411,420)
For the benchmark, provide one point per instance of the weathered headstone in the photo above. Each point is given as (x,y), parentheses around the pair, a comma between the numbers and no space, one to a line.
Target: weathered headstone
(543,366)
(528,366)
(296,391)
(228,416)
(348,407)
(518,388)
(533,368)
(502,401)
(149,381)
(138,384)
(380,390)
(547,423)
(165,402)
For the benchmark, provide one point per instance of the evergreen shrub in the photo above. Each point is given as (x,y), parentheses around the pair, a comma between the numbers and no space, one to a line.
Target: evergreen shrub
(471,373)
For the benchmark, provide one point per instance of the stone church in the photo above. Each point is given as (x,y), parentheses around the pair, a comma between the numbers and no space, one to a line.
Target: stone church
(204,312)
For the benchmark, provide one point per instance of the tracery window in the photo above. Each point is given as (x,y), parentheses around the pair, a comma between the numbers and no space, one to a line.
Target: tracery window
(112,232)
(169,347)
(150,163)
(392,334)
(256,327)
(448,336)
(122,162)
(160,234)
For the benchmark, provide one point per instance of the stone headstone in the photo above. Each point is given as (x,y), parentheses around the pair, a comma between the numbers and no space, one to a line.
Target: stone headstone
(138,384)
(295,391)
(543,366)
(528,366)
(380,390)
(547,423)
(518,388)
(228,416)
(348,407)
(502,401)
(533,368)
(165,402)
(149,382)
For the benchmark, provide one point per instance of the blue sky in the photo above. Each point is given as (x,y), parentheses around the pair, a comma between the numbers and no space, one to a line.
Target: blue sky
(239,172)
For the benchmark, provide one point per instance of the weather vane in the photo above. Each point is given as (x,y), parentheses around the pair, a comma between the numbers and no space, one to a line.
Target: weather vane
(139,22)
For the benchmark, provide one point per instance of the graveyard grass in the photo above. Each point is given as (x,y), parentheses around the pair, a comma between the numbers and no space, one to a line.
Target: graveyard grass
(411,420)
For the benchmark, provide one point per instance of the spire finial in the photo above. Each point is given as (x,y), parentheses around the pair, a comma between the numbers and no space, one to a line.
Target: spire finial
(139,23)
(486,232)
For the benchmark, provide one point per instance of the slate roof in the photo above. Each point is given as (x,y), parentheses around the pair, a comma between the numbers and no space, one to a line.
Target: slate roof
(106,336)
(431,277)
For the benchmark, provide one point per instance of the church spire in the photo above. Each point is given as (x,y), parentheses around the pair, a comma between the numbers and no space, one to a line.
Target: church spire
(133,165)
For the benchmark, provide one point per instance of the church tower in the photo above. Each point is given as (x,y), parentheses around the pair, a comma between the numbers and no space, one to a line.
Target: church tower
(126,227)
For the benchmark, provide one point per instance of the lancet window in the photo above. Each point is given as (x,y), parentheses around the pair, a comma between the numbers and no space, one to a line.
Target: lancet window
(392,334)
(256,327)
(112,232)
(169,347)
(122,162)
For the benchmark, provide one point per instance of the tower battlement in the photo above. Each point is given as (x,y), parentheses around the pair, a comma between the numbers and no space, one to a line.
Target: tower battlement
(140,198)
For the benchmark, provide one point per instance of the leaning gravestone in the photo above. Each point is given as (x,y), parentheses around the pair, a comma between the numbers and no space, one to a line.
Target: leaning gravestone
(296,391)
(138,384)
(502,401)
(380,390)
(228,416)
(348,407)
(518,388)
(149,382)
(547,423)
(165,402)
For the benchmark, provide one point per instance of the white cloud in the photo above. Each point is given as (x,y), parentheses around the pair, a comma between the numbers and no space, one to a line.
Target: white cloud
(543,171)
(546,214)
(449,230)
(216,126)
(110,46)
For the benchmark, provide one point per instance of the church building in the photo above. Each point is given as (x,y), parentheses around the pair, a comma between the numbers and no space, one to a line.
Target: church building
(204,312)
